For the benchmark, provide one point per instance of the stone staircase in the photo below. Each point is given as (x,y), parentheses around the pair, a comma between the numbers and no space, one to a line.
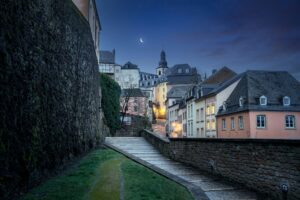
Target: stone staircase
(200,184)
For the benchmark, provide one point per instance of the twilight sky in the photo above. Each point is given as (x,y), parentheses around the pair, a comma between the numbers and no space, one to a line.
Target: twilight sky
(207,34)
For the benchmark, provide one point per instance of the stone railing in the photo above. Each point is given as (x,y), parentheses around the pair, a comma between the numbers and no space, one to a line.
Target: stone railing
(270,167)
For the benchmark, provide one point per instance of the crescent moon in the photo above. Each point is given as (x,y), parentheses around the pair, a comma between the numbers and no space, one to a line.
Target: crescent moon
(141,40)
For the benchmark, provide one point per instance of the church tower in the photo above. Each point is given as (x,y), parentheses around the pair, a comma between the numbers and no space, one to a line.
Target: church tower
(163,65)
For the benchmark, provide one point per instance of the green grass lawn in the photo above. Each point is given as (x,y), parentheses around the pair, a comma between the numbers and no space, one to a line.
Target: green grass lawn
(105,175)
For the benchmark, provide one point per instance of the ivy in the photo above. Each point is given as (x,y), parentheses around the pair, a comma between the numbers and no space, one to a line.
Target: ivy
(111,92)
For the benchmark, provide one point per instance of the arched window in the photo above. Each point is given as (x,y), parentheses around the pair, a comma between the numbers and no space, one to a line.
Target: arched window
(286,101)
(263,100)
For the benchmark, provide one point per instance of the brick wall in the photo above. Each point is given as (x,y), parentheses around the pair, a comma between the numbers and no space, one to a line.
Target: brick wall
(260,165)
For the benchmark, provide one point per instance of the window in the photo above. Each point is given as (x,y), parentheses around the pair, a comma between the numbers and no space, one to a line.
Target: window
(207,110)
(241,122)
(263,100)
(213,124)
(192,110)
(286,101)
(135,108)
(232,123)
(197,115)
(187,70)
(223,124)
(261,121)
(201,114)
(290,121)
(180,70)
(224,105)
(241,101)
(212,109)
(207,125)
(159,72)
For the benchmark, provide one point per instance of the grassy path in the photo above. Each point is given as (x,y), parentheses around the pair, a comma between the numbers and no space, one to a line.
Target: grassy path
(107,175)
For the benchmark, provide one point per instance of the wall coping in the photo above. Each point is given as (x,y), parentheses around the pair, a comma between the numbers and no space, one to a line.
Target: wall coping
(240,140)
(157,136)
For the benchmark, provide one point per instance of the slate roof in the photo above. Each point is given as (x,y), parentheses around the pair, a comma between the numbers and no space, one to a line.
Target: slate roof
(134,92)
(220,76)
(129,65)
(107,57)
(178,92)
(272,84)
(174,77)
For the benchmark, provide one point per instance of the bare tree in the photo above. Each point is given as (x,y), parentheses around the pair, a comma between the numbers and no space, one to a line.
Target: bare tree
(126,95)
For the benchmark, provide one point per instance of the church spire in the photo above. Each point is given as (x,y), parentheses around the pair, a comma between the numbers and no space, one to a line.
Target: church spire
(163,63)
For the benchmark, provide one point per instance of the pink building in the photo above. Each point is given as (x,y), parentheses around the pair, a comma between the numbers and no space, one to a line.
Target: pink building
(135,100)
(263,105)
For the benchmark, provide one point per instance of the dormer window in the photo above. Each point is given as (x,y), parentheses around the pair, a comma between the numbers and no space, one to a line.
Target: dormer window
(224,105)
(241,101)
(263,100)
(286,101)
(179,70)
(187,70)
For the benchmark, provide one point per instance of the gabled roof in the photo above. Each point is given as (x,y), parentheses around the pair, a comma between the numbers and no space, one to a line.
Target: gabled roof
(134,92)
(220,76)
(272,84)
(178,92)
(107,57)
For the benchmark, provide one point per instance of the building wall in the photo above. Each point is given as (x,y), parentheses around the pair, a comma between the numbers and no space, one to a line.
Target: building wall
(200,118)
(161,91)
(191,118)
(136,105)
(261,165)
(129,78)
(275,125)
(236,132)
(210,119)
(174,126)
(89,10)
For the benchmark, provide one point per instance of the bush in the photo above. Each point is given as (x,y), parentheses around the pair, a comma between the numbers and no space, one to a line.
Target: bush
(111,92)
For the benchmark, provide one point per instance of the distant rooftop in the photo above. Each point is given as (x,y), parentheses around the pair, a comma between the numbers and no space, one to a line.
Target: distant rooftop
(134,92)
(220,76)
(129,65)
(107,57)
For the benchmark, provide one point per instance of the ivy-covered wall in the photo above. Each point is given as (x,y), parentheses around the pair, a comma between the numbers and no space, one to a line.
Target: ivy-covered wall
(111,92)
(49,90)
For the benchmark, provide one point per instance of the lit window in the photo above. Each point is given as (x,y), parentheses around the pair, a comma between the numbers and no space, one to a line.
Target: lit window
(241,122)
(207,125)
(223,124)
(290,121)
(263,100)
(207,110)
(213,124)
(261,121)
(286,101)
(232,123)
(212,109)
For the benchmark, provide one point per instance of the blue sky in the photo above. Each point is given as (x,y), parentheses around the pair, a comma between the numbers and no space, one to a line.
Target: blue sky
(207,34)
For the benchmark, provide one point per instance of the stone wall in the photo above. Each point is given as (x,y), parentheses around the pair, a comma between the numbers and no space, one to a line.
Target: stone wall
(261,165)
(49,90)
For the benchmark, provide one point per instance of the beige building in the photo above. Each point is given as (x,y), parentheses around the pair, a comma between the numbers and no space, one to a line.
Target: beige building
(88,9)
